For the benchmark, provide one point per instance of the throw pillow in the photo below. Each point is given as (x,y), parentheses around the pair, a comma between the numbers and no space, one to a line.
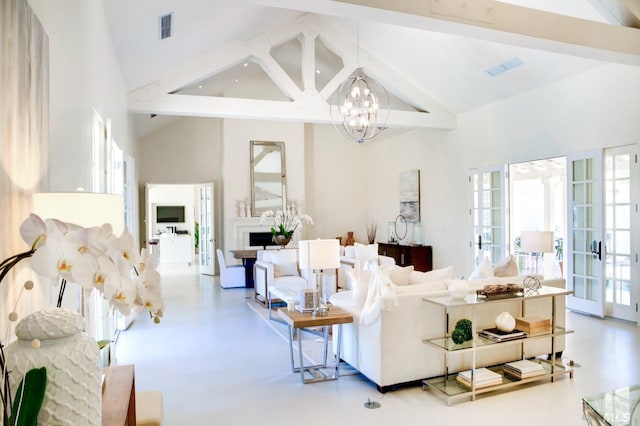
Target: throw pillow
(367,252)
(285,262)
(400,275)
(483,270)
(350,251)
(359,282)
(418,277)
(507,267)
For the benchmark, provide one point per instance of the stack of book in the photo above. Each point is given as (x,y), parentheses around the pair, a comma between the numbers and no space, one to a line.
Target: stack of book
(483,377)
(523,369)
(501,336)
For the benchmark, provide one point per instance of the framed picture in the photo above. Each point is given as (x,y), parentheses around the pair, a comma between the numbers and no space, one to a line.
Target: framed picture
(410,195)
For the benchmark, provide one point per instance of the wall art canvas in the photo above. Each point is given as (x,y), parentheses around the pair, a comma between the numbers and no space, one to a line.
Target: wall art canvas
(410,195)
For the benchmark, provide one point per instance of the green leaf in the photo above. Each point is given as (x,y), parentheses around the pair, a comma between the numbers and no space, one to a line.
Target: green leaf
(103,343)
(27,404)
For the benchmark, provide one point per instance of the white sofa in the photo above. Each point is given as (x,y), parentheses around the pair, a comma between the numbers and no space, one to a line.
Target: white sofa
(390,351)
(359,256)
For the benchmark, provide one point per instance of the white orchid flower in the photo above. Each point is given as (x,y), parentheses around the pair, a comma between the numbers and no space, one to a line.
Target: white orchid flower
(126,245)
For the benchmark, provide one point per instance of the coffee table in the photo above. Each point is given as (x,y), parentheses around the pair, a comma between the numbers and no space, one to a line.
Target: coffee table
(614,408)
(297,321)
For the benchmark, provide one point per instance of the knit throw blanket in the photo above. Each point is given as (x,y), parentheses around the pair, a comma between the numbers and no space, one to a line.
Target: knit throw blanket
(380,296)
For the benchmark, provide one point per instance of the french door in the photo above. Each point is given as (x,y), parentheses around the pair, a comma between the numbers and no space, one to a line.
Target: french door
(586,246)
(488,215)
(621,263)
(206,229)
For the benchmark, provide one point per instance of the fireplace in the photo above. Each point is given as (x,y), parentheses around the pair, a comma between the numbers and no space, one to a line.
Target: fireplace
(261,239)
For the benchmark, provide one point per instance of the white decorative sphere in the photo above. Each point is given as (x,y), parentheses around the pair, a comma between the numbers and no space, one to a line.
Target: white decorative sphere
(505,322)
(458,289)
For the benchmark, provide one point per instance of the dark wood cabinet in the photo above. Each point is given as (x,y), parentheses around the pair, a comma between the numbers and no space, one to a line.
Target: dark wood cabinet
(419,256)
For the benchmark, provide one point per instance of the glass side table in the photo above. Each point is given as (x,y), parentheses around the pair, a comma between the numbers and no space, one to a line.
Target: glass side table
(615,408)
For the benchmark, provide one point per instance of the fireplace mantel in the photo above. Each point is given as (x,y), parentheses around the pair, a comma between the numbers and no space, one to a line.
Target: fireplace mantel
(242,226)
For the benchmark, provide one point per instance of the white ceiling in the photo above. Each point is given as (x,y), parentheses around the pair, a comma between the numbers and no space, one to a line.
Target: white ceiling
(448,68)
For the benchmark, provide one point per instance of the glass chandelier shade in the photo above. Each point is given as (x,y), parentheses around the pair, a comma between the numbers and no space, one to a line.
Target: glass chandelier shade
(362,105)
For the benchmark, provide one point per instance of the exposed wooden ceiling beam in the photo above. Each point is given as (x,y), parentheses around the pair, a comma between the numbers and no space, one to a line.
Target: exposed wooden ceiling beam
(491,21)
(311,108)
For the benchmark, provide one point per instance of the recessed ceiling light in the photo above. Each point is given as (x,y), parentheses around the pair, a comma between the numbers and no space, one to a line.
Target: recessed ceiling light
(199,86)
(236,80)
(317,71)
(246,64)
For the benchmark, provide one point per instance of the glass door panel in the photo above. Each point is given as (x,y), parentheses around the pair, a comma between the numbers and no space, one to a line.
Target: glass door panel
(585,224)
(488,215)
(619,292)
(205,244)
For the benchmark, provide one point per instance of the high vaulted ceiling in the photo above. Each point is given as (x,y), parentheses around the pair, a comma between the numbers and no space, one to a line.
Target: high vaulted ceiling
(283,59)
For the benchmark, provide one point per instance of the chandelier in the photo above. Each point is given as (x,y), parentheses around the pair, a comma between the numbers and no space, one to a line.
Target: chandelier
(362,105)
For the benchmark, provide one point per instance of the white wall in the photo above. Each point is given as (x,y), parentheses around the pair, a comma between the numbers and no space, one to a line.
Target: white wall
(596,109)
(84,74)
(236,180)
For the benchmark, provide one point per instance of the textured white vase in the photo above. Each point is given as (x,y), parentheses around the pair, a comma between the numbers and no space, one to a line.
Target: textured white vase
(73,394)
(505,322)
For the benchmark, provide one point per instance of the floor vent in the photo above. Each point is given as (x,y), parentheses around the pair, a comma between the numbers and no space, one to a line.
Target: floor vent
(165,26)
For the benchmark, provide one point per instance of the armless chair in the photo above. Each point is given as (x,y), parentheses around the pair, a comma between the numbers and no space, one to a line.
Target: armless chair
(230,276)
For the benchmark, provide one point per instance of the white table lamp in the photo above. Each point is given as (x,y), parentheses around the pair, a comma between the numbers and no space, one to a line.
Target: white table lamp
(319,255)
(536,243)
(86,209)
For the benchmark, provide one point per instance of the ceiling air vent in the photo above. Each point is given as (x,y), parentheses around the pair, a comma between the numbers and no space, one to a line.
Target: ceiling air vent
(165,26)
(505,66)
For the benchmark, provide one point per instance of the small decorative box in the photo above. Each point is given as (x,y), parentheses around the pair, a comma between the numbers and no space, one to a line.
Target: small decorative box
(306,299)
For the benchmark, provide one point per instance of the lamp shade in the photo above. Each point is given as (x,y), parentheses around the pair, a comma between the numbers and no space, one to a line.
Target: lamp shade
(319,254)
(85,209)
(536,241)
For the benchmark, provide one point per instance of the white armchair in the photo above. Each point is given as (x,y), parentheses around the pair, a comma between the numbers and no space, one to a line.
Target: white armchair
(360,256)
(278,278)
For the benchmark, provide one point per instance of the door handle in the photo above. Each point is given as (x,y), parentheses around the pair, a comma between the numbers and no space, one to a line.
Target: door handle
(479,242)
(596,249)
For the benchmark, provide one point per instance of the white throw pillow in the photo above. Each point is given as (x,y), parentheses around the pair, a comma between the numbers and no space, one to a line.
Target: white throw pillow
(507,267)
(483,270)
(418,277)
(400,275)
(367,252)
(359,281)
(285,262)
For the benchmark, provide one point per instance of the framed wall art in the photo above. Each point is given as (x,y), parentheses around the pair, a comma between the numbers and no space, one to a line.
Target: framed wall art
(410,195)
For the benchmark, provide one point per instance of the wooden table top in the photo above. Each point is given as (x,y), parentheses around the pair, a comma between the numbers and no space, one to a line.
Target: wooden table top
(304,320)
(244,254)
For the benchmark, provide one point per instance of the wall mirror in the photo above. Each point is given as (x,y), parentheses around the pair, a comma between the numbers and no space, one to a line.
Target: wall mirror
(267,177)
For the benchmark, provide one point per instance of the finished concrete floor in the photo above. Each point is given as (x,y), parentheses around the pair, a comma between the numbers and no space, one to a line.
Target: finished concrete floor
(218,363)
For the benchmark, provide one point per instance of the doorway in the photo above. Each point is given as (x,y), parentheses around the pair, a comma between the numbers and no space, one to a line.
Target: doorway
(538,204)
(180,224)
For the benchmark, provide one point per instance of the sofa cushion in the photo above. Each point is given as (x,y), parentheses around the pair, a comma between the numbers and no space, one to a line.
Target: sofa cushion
(285,262)
(418,277)
(366,252)
(400,275)
(483,270)
(432,288)
(507,267)
(359,279)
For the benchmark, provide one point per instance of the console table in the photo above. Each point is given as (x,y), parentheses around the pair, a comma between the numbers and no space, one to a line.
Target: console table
(421,257)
